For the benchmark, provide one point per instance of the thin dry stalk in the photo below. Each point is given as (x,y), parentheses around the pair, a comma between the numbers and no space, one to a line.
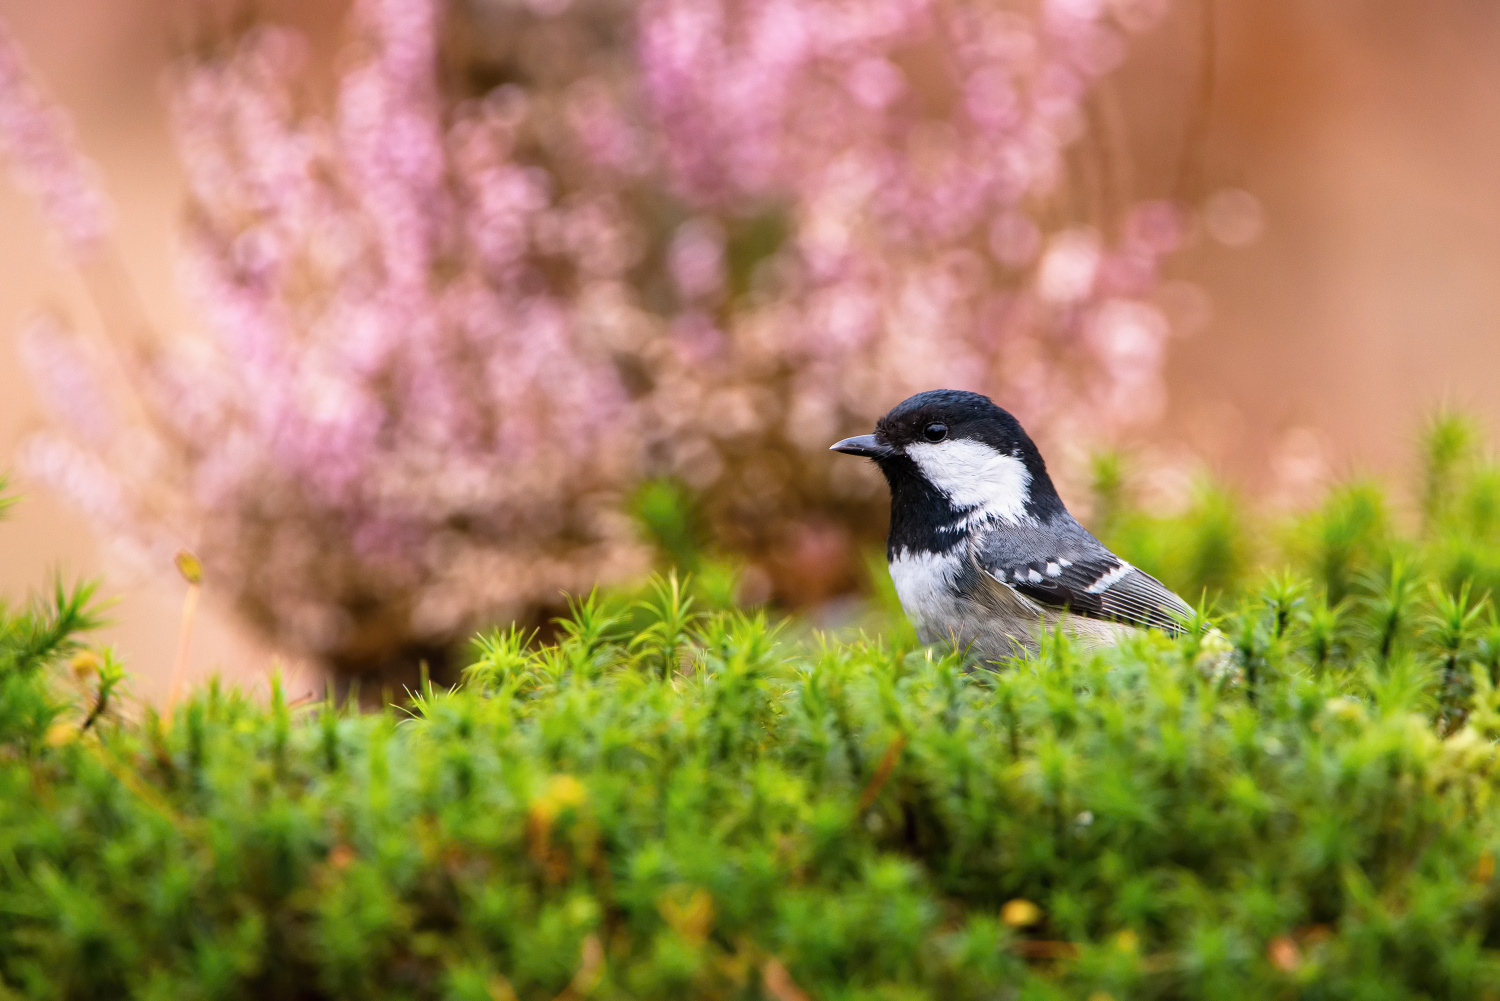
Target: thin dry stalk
(192,572)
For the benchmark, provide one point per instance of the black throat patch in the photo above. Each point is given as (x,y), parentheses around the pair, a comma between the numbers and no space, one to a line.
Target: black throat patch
(923,519)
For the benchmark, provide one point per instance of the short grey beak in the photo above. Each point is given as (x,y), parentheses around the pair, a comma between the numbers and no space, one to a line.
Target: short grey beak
(864,444)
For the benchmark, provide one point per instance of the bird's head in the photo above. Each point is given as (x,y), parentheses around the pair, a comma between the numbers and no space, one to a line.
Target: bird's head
(959,447)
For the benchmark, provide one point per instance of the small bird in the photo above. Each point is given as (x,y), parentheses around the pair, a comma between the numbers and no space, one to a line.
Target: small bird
(982,550)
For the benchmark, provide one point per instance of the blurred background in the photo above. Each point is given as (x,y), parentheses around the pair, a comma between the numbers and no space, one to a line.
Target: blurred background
(1322,174)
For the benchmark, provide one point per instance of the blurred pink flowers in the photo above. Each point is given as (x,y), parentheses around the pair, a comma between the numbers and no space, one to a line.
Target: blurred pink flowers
(917,151)
(399,421)
(445,334)
(36,138)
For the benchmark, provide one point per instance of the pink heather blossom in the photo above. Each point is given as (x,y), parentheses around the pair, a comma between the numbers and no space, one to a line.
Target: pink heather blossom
(444,333)
(37,140)
(70,379)
(913,146)
(402,417)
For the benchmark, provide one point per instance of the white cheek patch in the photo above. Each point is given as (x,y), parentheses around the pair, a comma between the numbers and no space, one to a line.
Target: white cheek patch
(975,477)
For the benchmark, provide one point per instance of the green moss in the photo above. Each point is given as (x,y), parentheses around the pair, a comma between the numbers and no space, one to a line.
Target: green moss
(676,801)
(850,819)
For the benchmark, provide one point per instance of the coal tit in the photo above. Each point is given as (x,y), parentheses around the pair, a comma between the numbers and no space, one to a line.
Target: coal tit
(982,551)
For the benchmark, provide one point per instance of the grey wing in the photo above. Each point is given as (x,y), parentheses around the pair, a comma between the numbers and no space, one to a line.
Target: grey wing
(1099,586)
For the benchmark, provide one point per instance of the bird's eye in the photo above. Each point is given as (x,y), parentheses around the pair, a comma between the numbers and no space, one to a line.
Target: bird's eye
(935,432)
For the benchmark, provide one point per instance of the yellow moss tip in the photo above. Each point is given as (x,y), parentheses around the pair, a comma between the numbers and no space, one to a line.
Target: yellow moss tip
(562,792)
(84,664)
(1020,913)
(189,566)
(565,790)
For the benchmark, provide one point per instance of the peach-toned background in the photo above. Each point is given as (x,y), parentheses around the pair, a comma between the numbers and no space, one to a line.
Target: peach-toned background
(104,60)
(1369,132)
